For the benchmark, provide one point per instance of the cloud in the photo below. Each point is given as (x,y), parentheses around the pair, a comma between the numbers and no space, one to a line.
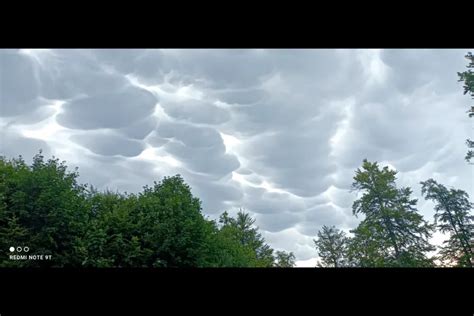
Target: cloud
(277,222)
(66,74)
(242,96)
(18,82)
(216,195)
(201,149)
(415,68)
(141,128)
(196,111)
(211,68)
(96,170)
(109,144)
(13,145)
(115,109)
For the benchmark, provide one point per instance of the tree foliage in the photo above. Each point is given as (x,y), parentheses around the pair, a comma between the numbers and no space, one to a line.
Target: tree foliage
(467,77)
(242,229)
(284,259)
(42,206)
(453,216)
(332,246)
(397,234)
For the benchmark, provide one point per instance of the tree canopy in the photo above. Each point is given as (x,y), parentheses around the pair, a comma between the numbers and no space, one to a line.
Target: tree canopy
(467,77)
(332,247)
(392,225)
(453,217)
(43,206)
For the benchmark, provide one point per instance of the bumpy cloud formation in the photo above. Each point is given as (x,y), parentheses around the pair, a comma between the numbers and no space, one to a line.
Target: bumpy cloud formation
(276,132)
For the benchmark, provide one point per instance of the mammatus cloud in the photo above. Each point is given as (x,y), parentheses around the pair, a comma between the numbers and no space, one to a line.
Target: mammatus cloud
(114,109)
(276,132)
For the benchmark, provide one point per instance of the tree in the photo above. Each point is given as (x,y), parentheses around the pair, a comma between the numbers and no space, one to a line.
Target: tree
(332,247)
(452,216)
(366,248)
(468,78)
(243,230)
(114,231)
(396,233)
(43,206)
(12,235)
(225,250)
(284,259)
(170,219)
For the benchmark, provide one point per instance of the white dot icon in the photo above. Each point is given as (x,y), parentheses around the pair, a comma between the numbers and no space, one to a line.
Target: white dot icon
(19,249)
(12,249)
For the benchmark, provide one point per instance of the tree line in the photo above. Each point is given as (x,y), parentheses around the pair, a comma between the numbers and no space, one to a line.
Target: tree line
(43,206)
(393,233)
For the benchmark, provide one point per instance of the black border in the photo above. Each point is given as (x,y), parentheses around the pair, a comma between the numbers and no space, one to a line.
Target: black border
(338,24)
(382,291)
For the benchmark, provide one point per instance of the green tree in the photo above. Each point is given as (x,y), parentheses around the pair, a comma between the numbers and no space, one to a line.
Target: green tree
(367,248)
(284,259)
(114,235)
(467,77)
(227,250)
(13,235)
(42,207)
(171,224)
(332,246)
(452,216)
(398,234)
(243,230)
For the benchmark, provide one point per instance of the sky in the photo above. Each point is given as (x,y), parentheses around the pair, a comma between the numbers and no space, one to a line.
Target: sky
(278,133)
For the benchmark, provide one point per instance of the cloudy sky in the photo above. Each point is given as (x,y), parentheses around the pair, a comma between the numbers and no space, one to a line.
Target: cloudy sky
(278,133)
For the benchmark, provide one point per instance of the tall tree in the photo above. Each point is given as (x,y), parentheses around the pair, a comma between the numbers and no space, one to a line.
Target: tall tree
(332,246)
(244,230)
(284,259)
(468,78)
(453,216)
(397,231)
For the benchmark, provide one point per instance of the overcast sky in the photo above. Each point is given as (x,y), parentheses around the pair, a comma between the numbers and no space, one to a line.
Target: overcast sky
(278,133)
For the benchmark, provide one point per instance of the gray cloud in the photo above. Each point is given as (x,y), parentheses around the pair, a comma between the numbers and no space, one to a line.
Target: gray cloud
(243,96)
(415,68)
(109,144)
(200,148)
(66,74)
(277,222)
(196,111)
(108,110)
(97,171)
(13,144)
(217,195)
(211,68)
(141,128)
(18,82)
